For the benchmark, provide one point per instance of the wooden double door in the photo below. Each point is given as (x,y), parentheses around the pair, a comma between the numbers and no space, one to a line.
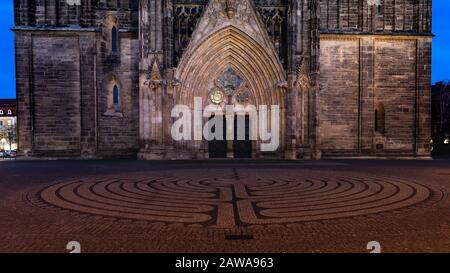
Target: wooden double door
(242,148)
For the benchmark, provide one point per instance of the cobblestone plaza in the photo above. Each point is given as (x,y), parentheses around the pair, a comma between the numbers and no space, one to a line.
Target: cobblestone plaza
(225,206)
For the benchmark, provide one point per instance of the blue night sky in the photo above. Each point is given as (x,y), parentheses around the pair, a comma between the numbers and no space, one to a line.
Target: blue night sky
(441,45)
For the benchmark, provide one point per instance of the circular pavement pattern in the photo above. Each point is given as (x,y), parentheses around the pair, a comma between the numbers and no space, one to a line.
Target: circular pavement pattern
(235,201)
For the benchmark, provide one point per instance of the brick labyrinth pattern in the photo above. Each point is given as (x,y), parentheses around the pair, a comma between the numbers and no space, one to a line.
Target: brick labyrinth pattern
(236,201)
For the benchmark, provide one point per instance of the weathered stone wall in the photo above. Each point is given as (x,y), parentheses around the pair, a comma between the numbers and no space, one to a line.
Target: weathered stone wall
(87,44)
(360,72)
(25,118)
(338,96)
(368,55)
(59,13)
(364,16)
(56,92)
(423,100)
(395,88)
(118,135)
(62,100)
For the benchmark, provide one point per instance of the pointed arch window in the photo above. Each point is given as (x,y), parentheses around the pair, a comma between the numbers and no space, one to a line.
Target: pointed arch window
(113,89)
(114,40)
(116,96)
(380,119)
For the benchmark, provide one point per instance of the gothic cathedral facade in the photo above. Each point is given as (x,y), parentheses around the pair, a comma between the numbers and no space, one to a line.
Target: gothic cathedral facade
(99,78)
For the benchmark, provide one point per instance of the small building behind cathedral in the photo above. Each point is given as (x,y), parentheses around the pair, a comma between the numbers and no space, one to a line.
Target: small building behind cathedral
(100,78)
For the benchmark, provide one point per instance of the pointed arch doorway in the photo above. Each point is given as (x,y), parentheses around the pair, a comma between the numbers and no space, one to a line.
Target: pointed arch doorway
(257,66)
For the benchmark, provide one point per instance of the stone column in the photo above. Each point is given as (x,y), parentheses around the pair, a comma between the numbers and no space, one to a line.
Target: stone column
(88,95)
(303,63)
(151,108)
(151,83)
(423,98)
(25,98)
(367,103)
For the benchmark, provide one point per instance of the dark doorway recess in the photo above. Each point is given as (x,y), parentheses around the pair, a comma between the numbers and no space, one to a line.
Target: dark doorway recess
(242,148)
(217,148)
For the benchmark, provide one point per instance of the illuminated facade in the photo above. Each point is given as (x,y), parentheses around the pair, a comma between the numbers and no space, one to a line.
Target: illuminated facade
(8,125)
(352,78)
